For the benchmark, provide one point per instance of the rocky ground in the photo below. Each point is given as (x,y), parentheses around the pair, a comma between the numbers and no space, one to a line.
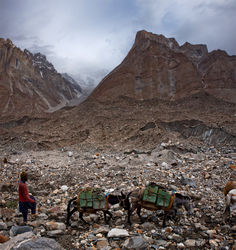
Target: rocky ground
(57,175)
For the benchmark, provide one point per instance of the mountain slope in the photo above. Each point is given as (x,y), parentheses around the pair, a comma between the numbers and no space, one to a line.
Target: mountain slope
(29,84)
(139,106)
(157,67)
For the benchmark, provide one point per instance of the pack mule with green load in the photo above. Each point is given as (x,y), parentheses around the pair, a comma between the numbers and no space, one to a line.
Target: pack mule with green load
(90,200)
(154,197)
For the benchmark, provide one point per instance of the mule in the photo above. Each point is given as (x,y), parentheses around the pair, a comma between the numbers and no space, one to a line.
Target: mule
(134,202)
(229,186)
(110,200)
(230,200)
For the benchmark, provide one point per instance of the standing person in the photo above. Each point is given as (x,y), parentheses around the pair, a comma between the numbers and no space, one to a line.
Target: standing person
(26,201)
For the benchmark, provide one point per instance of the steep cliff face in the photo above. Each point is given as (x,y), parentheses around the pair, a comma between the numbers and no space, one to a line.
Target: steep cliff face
(29,84)
(157,67)
(219,75)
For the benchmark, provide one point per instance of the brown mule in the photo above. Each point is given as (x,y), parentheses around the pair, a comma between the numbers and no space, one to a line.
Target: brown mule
(135,201)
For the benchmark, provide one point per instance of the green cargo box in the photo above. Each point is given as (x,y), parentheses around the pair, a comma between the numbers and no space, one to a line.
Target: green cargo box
(150,194)
(163,198)
(86,199)
(99,201)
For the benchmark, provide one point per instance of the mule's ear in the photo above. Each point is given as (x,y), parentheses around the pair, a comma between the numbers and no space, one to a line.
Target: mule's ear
(122,194)
(129,194)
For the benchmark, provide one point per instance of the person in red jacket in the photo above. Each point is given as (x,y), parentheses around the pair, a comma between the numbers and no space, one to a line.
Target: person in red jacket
(26,201)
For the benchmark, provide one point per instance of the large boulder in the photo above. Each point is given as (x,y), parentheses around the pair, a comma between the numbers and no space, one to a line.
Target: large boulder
(29,241)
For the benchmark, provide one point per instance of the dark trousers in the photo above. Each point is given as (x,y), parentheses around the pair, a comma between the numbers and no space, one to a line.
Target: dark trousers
(24,206)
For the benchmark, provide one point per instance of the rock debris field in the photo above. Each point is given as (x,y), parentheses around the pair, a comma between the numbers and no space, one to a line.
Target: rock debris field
(57,176)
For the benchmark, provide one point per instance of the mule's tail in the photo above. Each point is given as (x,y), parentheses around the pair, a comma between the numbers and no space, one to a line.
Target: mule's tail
(69,204)
(226,214)
(69,210)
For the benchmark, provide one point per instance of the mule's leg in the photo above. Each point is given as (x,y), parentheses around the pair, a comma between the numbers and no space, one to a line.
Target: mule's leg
(105,216)
(130,211)
(174,214)
(164,219)
(81,217)
(69,214)
(139,213)
(226,214)
(105,212)
(129,214)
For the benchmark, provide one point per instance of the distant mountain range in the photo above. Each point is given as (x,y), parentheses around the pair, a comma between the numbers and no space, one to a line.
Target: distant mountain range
(156,67)
(30,85)
(161,92)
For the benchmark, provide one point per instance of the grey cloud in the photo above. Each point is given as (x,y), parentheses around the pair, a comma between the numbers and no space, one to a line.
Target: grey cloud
(46,49)
(33,44)
(87,37)
(210,22)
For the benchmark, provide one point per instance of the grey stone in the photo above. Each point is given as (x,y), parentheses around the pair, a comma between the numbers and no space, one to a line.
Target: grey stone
(187,181)
(42,216)
(51,225)
(92,236)
(16,240)
(138,243)
(42,243)
(102,229)
(180,245)
(173,187)
(3,226)
(201,242)
(15,230)
(163,243)
(116,232)
(190,243)
(177,238)
(225,229)
(93,217)
(147,226)
(102,244)
(55,233)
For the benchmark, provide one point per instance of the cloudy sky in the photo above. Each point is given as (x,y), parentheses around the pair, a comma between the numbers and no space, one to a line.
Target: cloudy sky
(91,37)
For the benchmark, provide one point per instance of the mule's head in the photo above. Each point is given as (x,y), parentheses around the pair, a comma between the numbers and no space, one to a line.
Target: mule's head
(188,206)
(182,200)
(124,201)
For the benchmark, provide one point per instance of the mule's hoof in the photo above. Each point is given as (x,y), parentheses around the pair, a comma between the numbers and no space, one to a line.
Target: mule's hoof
(142,220)
(128,223)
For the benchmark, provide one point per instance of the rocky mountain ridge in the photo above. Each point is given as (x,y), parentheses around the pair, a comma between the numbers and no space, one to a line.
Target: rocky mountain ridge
(29,84)
(157,67)
(120,114)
